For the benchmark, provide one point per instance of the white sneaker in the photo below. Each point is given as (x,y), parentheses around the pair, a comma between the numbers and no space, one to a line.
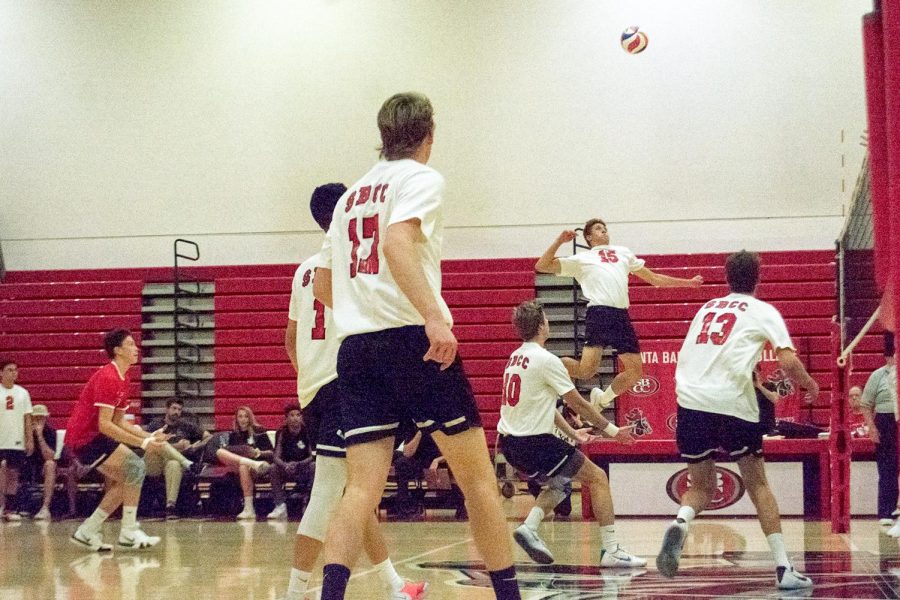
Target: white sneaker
(670,553)
(93,542)
(137,540)
(619,558)
(895,530)
(532,544)
(248,514)
(882,522)
(12,517)
(43,515)
(262,467)
(279,513)
(598,399)
(788,578)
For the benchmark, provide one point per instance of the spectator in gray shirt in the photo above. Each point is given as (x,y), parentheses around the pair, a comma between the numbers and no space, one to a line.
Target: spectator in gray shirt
(879,409)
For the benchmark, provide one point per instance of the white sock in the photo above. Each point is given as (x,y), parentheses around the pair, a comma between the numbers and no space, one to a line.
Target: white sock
(389,576)
(776,543)
(686,514)
(94,523)
(607,396)
(534,518)
(129,518)
(608,536)
(248,503)
(297,583)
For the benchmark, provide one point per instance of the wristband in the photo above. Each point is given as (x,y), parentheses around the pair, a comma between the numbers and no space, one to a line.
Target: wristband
(611,430)
(145,442)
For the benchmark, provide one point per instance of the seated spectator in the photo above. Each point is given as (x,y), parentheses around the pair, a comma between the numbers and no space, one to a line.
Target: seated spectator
(856,421)
(293,460)
(43,464)
(410,460)
(246,454)
(172,459)
(766,398)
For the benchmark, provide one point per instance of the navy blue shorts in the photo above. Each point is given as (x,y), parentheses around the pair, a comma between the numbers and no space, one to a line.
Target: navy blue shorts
(541,457)
(94,453)
(15,459)
(608,326)
(705,435)
(322,419)
(384,382)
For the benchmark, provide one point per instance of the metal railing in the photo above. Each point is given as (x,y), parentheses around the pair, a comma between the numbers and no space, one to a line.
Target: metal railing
(184,319)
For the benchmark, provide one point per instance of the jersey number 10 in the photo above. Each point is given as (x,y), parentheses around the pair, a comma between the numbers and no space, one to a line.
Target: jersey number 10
(512,386)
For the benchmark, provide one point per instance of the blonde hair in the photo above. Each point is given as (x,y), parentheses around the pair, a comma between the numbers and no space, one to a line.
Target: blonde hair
(254,424)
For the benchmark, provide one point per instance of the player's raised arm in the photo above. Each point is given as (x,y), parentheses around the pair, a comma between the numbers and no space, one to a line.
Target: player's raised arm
(403,260)
(548,263)
(793,368)
(660,280)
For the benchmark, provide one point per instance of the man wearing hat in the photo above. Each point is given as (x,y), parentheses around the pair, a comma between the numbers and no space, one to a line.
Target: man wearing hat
(43,459)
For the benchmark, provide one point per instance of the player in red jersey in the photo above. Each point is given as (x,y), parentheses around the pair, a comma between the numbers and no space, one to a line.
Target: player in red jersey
(99,435)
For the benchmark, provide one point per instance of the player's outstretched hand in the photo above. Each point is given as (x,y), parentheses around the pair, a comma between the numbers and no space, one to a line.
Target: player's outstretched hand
(583,436)
(624,436)
(567,236)
(443,343)
(696,280)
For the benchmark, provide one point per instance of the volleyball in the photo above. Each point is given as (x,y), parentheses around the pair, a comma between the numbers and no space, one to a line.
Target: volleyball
(634,41)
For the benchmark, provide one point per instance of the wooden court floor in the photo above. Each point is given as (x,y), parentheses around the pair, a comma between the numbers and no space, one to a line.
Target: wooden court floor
(200,560)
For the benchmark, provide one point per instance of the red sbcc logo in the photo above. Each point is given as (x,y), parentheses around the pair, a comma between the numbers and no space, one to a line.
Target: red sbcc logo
(647,386)
(729,487)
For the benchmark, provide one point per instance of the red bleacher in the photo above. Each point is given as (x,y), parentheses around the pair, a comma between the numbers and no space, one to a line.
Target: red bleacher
(51,321)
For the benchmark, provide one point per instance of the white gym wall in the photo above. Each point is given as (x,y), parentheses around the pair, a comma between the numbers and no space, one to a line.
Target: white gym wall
(126,124)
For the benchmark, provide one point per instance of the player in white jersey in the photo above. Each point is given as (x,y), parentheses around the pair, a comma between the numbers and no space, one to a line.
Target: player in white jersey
(533,380)
(16,440)
(603,272)
(718,411)
(312,346)
(398,362)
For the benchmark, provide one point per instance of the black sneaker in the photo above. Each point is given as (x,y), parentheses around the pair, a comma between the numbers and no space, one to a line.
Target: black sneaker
(670,553)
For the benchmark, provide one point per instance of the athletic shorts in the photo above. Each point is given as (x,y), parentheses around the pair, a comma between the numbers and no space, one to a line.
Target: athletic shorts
(608,326)
(541,457)
(15,459)
(383,381)
(705,435)
(94,453)
(322,419)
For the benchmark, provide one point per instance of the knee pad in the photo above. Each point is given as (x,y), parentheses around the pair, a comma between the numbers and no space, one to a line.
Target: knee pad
(556,489)
(134,469)
(328,487)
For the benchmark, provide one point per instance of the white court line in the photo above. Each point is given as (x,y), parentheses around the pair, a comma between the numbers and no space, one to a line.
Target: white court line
(405,560)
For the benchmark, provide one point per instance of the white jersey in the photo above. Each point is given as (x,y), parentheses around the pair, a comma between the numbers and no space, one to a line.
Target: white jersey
(16,404)
(317,343)
(532,382)
(603,273)
(366,296)
(723,345)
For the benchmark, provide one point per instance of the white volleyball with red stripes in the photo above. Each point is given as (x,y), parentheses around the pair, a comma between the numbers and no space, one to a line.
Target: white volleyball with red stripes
(634,41)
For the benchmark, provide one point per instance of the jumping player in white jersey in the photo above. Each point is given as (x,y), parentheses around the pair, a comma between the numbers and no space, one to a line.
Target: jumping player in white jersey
(718,411)
(533,380)
(603,273)
(312,346)
(398,356)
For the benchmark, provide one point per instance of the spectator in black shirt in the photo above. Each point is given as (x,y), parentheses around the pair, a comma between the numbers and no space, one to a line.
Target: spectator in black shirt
(293,459)
(248,452)
(416,455)
(172,459)
(43,464)
(766,397)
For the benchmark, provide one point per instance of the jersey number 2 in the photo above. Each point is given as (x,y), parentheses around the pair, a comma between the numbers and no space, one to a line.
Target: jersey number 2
(717,338)
(512,386)
(369,232)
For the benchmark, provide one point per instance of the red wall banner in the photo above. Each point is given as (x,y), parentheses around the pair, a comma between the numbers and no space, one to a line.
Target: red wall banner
(650,405)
